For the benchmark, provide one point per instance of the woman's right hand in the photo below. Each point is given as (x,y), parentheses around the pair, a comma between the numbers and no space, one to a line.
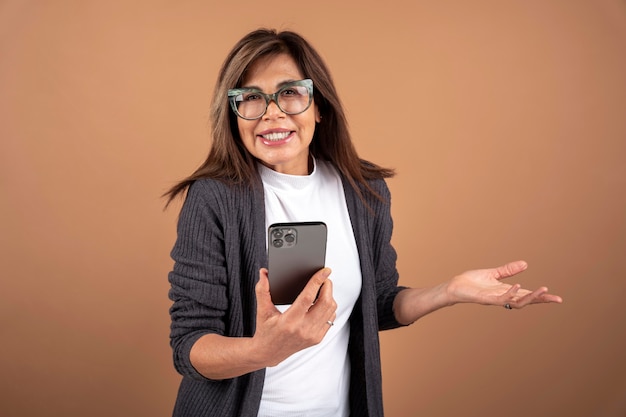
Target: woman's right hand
(304,324)
(277,336)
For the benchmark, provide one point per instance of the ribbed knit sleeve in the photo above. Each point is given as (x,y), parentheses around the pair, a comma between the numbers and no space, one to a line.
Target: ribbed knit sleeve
(198,279)
(385,257)
(373,227)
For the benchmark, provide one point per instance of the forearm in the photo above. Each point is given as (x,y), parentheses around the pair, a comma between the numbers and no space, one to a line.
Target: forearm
(413,303)
(220,357)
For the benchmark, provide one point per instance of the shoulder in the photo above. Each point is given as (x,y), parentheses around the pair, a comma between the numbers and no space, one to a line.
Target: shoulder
(215,195)
(376,183)
(374,191)
(380,186)
(210,188)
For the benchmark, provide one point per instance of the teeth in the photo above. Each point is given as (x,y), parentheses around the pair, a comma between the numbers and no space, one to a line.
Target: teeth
(276,136)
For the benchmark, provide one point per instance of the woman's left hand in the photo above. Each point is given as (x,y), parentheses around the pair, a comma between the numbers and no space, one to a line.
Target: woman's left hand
(485,286)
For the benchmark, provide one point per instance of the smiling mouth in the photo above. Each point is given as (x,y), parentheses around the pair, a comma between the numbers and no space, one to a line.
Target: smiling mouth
(276,136)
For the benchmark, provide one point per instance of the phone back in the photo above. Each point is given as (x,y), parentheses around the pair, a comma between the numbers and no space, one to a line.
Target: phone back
(296,251)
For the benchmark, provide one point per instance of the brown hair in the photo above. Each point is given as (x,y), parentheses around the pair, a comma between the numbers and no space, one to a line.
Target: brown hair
(228,159)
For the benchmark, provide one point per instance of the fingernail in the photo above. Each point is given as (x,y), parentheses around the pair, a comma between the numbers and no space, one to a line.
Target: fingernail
(326,272)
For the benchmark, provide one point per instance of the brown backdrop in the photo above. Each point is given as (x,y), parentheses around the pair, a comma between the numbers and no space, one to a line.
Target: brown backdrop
(505,121)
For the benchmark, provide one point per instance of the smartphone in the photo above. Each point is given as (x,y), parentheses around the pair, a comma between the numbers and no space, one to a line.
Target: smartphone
(296,251)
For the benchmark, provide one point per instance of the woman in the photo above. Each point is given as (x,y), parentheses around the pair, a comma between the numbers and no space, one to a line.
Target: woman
(281,152)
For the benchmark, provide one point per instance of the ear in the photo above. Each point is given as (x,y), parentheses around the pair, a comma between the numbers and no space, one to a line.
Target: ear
(318,116)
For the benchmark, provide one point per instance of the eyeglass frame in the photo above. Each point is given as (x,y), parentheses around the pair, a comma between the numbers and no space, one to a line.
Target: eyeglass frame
(234,92)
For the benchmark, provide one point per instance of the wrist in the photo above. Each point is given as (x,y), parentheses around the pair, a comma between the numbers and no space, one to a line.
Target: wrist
(449,294)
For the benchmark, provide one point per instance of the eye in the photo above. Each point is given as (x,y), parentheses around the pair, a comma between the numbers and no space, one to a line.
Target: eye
(288,92)
(293,91)
(250,97)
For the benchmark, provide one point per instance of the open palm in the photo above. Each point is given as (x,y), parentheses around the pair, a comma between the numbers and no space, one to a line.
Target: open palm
(485,286)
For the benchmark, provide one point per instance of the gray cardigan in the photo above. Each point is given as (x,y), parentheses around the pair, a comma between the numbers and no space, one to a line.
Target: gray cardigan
(218,253)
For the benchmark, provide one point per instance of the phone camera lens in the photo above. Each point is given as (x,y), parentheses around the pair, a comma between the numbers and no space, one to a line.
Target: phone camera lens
(290,238)
(278,243)
(277,233)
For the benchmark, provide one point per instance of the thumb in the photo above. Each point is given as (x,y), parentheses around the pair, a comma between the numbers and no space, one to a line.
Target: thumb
(308,295)
(264,302)
(510,269)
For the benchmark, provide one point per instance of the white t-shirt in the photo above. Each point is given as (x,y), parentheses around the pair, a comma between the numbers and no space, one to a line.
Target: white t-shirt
(315,382)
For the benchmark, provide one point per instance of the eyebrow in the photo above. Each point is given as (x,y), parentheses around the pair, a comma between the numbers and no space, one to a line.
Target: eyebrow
(278,87)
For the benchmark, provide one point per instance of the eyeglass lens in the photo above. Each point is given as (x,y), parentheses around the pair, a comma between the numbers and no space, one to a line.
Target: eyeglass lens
(292,99)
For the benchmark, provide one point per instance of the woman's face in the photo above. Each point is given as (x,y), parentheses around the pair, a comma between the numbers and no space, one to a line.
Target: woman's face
(280,141)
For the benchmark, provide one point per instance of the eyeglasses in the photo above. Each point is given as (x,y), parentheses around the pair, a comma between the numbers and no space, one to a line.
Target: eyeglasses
(251,103)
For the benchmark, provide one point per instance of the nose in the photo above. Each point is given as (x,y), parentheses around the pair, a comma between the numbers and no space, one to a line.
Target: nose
(272,110)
